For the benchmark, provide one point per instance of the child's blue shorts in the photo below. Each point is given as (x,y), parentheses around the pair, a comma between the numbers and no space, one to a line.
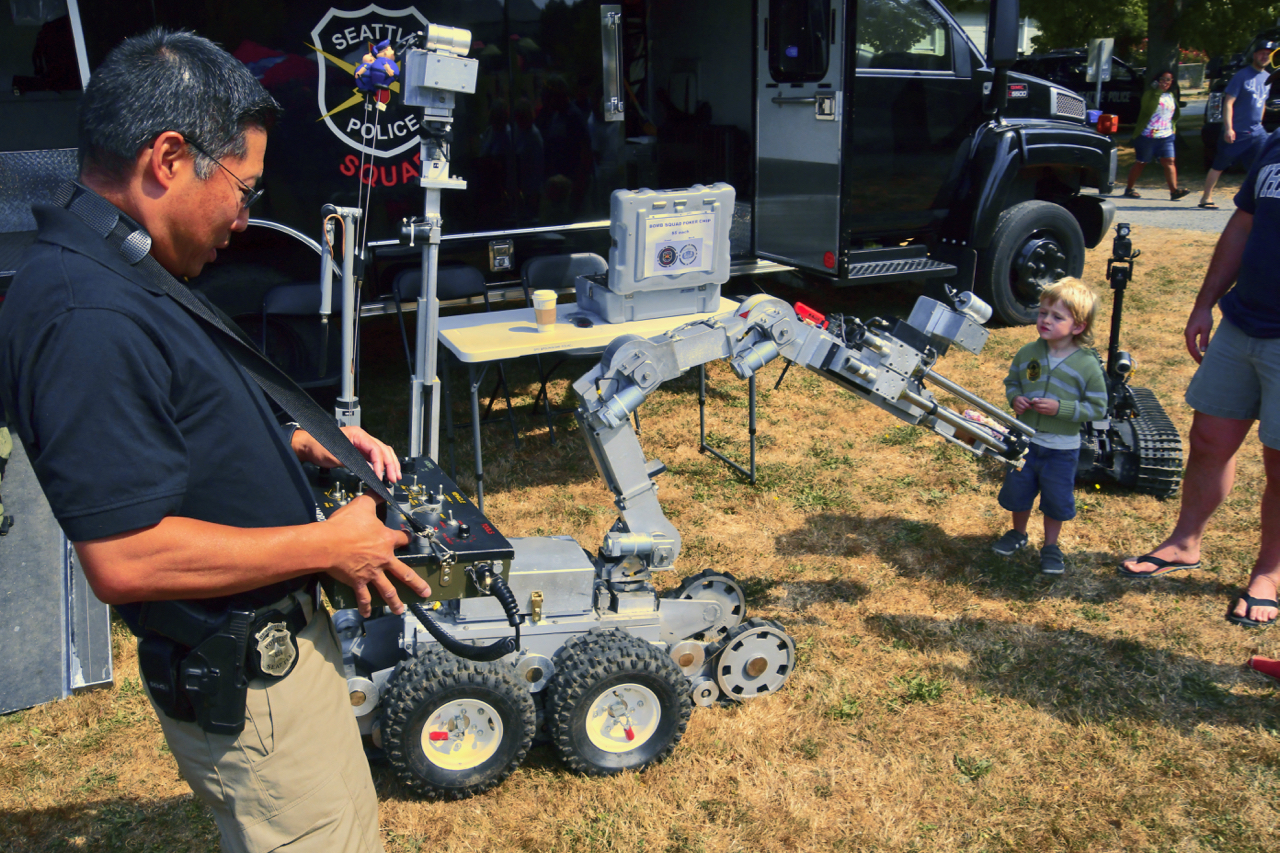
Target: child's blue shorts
(1049,473)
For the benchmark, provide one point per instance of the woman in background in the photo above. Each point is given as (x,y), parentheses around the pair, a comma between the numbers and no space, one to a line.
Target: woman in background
(1158,120)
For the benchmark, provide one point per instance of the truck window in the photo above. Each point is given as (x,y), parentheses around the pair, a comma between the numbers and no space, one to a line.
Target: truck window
(902,35)
(799,40)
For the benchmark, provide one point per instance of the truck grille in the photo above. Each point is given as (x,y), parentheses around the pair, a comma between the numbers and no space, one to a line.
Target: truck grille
(1066,105)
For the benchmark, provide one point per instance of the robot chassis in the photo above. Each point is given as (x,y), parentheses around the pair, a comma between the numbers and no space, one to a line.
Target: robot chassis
(608,670)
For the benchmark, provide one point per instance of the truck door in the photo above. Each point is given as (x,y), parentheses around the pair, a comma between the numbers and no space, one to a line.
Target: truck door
(798,98)
(914,105)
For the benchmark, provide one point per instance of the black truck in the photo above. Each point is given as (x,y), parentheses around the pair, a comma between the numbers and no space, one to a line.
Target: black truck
(862,136)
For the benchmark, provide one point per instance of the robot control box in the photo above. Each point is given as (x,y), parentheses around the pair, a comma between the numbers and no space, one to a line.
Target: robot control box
(669,254)
(458,535)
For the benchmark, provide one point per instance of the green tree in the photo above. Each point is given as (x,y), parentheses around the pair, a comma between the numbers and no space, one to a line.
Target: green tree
(1073,24)
(1214,26)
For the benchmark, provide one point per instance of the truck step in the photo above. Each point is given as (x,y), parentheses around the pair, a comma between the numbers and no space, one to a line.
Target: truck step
(902,262)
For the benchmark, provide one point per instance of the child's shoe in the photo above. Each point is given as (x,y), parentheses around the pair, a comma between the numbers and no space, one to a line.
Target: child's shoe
(1010,543)
(1051,560)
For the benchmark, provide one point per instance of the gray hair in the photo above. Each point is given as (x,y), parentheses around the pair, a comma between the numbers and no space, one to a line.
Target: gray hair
(161,81)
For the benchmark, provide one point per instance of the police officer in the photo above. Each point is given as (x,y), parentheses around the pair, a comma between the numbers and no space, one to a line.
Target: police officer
(163,462)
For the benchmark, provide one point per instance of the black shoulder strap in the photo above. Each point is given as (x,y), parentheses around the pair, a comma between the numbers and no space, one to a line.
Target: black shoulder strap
(134,244)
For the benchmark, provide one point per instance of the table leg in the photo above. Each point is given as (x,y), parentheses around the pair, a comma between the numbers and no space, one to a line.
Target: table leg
(751,423)
(475,430)
(448,418)
(703,447)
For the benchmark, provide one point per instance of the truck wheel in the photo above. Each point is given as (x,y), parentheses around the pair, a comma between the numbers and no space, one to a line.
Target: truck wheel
(1035,244)
(615,703)
(455,728)
(1210,135)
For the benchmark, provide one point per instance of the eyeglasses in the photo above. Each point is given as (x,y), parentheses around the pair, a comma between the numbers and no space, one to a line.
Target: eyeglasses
(249,196)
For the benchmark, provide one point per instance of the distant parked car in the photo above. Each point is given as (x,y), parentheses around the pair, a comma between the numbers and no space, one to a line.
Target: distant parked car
(1121,95)
(1219,73)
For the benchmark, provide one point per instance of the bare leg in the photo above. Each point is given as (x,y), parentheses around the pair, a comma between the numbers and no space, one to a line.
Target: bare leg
(1134,173)
(1210,181)
(1170,173)
(1211,470)
(1266,572)
(1020,520)
(1052,527)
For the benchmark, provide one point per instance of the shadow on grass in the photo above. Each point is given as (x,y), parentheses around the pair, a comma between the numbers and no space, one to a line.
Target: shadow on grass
(1080,677)
(922,549)
(156,826)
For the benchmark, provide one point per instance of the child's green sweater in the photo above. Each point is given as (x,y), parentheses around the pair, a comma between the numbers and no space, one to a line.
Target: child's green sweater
(1077,383)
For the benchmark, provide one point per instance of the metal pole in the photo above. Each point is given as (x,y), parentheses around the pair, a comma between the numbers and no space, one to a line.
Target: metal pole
(347,409)
(947,416)
(974,400)
(425,425)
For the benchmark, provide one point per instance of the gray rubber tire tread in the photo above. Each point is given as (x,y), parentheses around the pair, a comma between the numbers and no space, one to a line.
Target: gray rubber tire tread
(416,682)
(586,661)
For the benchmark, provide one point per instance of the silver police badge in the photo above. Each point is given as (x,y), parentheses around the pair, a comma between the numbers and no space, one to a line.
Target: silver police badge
(276,652)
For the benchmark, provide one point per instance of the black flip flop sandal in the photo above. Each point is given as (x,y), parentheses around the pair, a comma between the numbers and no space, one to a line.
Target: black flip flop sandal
(1250,601)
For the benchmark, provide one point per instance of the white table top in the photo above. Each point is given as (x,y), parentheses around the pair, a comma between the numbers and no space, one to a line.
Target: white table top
(496,335)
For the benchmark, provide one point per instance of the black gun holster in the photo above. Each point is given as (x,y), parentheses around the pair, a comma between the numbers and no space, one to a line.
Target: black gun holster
(202,680)
(197,664)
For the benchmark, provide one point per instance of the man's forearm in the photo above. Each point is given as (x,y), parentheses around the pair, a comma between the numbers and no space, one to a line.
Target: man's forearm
(186,558)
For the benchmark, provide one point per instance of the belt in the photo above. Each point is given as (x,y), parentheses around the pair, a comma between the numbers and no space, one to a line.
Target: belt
(197,664)
(270,645)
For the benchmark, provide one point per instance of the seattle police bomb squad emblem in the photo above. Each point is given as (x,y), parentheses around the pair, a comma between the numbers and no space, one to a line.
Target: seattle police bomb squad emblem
(340,41)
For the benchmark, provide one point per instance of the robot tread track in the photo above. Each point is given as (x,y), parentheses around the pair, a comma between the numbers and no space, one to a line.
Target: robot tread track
(1159,447)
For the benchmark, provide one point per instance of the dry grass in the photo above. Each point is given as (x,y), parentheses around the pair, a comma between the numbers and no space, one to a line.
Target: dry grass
(945,699)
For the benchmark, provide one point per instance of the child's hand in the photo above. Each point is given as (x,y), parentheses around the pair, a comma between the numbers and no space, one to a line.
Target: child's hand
(1045,407)
(1020,404)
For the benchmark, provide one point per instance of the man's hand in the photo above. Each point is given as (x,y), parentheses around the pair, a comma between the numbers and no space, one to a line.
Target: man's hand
(1199,325)
(1228,134)
(364,555)
(1045,406)
(382,458)
(1021,404)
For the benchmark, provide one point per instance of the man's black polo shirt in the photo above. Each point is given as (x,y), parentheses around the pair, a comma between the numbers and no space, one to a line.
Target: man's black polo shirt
(129,410)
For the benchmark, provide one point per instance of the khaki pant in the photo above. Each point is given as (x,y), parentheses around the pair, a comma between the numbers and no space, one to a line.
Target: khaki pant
(6,450)
(297,776)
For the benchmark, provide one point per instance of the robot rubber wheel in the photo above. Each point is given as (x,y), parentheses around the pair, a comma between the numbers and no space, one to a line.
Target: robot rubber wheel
(455,728)
(615,703)
(721,588)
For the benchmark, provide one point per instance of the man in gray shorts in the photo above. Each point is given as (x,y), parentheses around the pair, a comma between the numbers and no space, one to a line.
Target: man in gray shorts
(1237,383)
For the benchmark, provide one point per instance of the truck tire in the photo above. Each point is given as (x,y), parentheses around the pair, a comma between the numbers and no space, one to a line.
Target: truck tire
(1035,244)
(1210,136)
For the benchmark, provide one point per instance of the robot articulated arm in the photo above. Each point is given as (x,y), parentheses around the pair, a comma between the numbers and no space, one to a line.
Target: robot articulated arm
(883,363)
